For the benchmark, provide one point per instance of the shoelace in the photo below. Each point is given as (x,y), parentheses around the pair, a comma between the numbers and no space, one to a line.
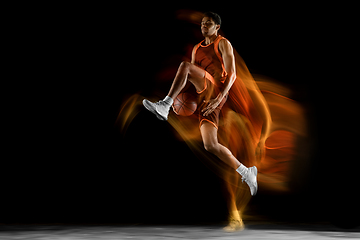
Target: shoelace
(160,103)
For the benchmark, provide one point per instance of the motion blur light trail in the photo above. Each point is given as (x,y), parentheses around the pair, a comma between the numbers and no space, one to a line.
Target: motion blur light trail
(256,105)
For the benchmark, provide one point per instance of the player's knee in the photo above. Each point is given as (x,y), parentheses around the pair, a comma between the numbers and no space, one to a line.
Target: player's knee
(211,147)
(185,65)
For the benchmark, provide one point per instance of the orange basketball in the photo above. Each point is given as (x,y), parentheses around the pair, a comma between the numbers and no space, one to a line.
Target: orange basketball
(185,104)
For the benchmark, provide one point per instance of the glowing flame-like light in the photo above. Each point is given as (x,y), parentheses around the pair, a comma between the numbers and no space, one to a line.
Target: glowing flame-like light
(256,105)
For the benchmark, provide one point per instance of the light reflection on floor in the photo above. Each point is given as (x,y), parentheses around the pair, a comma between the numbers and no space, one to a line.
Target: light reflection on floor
(139,231)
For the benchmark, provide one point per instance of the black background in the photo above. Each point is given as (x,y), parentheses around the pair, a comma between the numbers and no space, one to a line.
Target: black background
(70,163)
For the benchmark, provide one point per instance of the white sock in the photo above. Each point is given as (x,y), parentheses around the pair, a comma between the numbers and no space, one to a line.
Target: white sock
(242,170)
(168,100)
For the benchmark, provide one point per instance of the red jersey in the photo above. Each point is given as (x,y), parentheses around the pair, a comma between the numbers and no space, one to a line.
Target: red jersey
(209,58)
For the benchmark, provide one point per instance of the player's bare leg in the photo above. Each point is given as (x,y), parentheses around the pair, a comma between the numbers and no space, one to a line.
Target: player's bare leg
(211,144)
(186,72)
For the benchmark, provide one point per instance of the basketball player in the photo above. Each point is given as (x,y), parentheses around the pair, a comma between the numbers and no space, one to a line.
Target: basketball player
(212,72)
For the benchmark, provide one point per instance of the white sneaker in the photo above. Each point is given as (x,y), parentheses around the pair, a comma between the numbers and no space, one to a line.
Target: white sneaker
(160,109)
(251,179)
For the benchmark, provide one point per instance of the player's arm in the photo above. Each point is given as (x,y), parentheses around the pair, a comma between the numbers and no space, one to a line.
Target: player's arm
(193,55)
(227,53)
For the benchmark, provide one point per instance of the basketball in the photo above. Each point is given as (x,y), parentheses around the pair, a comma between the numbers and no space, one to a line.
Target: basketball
(185,104)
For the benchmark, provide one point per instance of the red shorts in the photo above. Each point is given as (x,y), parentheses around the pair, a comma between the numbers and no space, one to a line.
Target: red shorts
(210,91)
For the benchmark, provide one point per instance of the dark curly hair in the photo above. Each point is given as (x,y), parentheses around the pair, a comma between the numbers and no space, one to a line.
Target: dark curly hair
(214,16)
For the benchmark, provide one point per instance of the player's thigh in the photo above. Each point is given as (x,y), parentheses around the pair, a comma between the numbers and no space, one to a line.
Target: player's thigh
(196,76)
(208,134)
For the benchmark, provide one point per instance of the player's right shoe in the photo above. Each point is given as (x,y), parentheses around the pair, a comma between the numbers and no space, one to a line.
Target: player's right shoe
(251,179)
(160,109)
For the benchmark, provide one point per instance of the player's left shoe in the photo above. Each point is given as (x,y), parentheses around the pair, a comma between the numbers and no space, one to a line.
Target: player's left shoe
(251,179)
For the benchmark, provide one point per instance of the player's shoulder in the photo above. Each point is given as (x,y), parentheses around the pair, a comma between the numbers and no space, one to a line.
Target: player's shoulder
(224,43)
(196,46)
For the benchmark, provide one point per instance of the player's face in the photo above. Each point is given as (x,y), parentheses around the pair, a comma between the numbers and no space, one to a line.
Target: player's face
(208,27)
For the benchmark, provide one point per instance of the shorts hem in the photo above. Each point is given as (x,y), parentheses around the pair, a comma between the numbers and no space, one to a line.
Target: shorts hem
(201,121)
(205,86)
(207,77)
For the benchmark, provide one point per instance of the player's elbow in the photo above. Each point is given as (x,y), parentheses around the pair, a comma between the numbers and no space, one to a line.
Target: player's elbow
(211,147)
(232,76)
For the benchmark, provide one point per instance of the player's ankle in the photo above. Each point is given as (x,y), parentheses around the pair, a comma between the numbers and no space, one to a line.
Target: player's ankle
(242,170)
(168,100)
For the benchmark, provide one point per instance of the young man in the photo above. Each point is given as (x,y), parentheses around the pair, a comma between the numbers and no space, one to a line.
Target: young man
(212,72)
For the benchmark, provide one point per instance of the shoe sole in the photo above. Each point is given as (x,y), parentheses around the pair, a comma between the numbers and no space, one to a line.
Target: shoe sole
(153,110)
(255,172)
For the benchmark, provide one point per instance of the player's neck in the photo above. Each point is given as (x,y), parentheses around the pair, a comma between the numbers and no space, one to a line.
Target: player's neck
(210,39)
